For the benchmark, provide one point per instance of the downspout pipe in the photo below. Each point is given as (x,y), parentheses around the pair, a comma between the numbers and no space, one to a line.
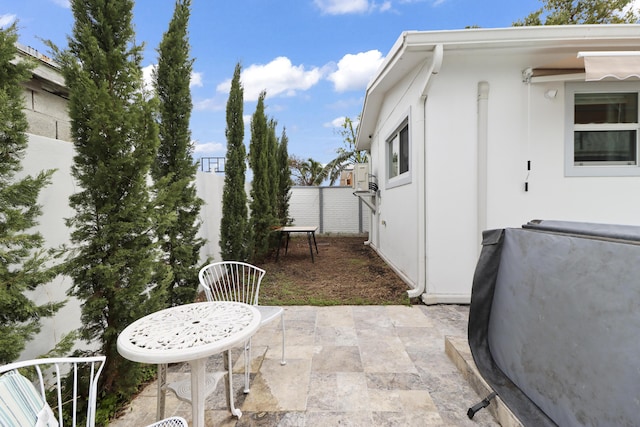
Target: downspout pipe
(434,68)
(483,143)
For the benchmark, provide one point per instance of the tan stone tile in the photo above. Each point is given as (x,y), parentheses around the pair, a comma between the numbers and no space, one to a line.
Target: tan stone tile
(395,381)
(337,359)
(345,419)
(336,336)
(297,313)
(385,355)
(279,388)
(335,316)
(407,419)
(420,338)
(401,401)
(407,316)
(337,391)
(371,317)
(300,335)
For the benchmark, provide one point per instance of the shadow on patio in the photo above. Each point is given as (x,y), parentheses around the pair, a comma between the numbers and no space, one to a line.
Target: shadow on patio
(346,365)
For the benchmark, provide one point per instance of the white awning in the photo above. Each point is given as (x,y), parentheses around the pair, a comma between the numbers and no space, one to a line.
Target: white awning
(619,65)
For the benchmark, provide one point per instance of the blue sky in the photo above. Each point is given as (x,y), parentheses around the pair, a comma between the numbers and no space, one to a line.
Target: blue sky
(313,57)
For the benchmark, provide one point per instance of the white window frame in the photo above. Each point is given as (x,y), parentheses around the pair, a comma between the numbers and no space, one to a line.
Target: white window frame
(404,177)
(571,169)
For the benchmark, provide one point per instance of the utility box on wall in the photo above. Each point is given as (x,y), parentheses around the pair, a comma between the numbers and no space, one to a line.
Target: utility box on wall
(361,177)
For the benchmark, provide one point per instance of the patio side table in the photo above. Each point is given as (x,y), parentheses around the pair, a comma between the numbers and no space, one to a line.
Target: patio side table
(311,234)
(191,333)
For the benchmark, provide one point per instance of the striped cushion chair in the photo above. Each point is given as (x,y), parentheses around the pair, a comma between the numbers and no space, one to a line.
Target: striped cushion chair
(23,402)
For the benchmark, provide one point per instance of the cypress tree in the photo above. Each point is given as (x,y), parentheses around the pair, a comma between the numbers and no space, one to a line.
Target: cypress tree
(21,250)
(262,214)
(274,176)
(174,170)
(284,180)
(116,268)
(233,226)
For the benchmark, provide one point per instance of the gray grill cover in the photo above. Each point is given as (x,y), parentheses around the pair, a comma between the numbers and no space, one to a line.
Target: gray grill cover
(554,322)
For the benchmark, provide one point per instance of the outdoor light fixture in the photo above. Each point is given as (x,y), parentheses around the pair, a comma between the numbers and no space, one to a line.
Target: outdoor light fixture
(551,93)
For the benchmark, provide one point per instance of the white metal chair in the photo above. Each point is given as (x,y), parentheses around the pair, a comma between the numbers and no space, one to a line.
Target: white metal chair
(240,282)
(24,387)
(23,401)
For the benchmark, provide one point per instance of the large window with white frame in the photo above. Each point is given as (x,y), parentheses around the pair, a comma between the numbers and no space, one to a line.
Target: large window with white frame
(398,158)
(603,129)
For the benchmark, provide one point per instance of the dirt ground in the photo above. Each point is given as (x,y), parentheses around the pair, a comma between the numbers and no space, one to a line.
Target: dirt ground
(345,272)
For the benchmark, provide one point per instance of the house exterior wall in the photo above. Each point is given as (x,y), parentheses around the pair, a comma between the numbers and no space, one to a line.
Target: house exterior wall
(523,125)
(394,231)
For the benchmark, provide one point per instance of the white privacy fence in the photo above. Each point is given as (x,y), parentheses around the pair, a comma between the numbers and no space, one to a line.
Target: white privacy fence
(333,209)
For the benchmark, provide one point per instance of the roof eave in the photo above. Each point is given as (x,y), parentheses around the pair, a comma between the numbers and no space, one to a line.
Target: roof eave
(421,43)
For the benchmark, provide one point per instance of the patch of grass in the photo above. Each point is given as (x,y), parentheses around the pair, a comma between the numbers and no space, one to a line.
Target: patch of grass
(344,272)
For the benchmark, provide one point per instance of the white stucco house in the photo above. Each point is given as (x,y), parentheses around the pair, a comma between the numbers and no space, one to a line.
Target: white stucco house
(475,129)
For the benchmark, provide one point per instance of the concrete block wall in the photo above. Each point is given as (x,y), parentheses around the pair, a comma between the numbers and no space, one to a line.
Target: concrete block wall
(332,209)
(46,113)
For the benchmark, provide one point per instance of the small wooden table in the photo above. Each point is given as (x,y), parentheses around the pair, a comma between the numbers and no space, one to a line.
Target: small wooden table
(311,233)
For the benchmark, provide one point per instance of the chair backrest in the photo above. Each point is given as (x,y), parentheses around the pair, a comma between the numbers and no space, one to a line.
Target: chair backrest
(24,387)
(231,281)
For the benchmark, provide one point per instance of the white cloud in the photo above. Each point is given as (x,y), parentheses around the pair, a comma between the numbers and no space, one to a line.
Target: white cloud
(335,123)
(147,76)
(385,6)
(338,122)
(209,148)
(7,20)
(355,71)
(209,104)
(63,3)
(278,77)
(634,5)
(196,80)
(342,7)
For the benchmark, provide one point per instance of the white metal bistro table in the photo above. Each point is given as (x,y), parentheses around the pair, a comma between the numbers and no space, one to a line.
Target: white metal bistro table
(191,333)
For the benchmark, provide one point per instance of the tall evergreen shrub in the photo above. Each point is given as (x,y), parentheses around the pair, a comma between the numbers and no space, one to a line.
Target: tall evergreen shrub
(116,266)
(234,232)
(22,255)
(174,170)
(284,179)
(261,205)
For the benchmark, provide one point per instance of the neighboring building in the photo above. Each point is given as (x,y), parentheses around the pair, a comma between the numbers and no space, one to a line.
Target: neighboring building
(477,129)
(46,97)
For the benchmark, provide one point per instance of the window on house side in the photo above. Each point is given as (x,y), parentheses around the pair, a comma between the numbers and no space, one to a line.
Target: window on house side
(398,152)
(604,130)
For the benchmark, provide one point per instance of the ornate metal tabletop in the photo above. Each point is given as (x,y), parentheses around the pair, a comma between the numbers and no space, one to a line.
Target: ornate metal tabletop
(188,332)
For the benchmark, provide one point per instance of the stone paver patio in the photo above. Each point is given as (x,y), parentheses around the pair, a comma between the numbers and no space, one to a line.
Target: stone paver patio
(346,365)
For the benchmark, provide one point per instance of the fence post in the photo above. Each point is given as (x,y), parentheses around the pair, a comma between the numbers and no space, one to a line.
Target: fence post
(321,208)
(360,224)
